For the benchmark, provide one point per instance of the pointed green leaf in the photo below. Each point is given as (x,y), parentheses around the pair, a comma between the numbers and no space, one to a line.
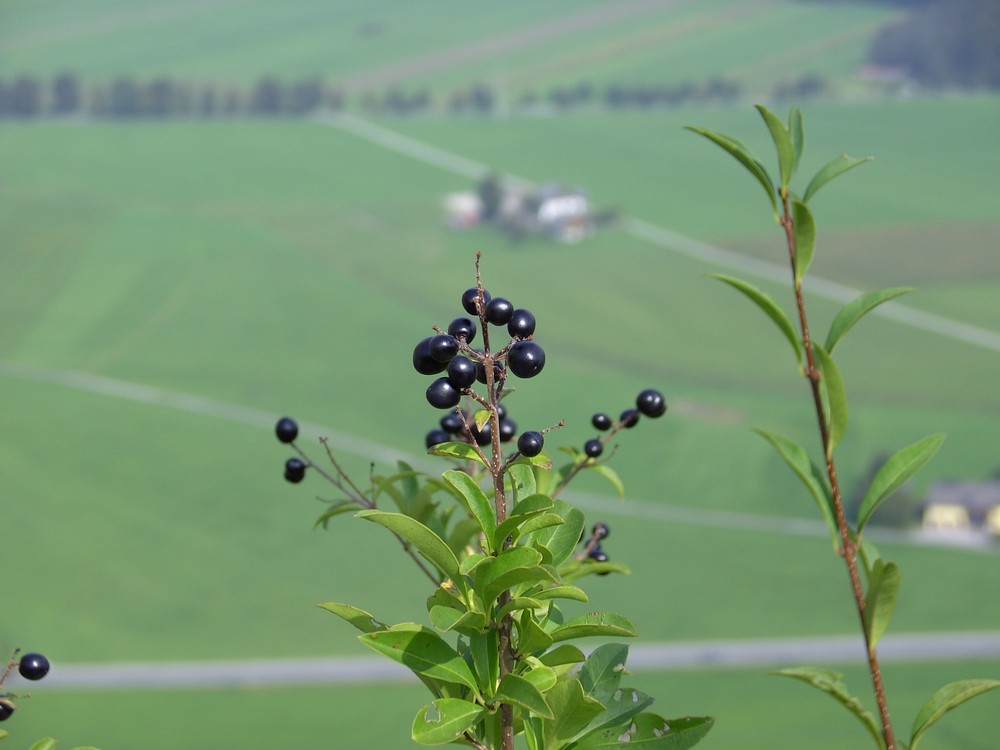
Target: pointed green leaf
(895,472)
(812,477)
(607,624)
(521,478)
(481,417)
(529,506)
(620,706)
(423,651)
(363,621)
(486,658)
(804,231)
(46,743)
(444,720)
(833,384)
(567,653)
(944,700)
(782,144)
(518,603)
(540,521)
(531,637)
(880,601)
(602,672)
(742,154)
(797,131)
(572,711)
(462,451)
(429,544)
(832,683)
(518,691)
(476,501)
(611,475)
(509,568)
(541,676)
(563,592)
(648,731)
(853,311)
(561,540)
(542,461)
(769,306)
(833,168)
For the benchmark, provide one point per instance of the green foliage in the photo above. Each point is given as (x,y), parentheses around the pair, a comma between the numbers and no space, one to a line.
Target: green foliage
(832,683)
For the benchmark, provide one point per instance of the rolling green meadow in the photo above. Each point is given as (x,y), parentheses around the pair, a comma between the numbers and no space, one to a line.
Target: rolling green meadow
(168,289)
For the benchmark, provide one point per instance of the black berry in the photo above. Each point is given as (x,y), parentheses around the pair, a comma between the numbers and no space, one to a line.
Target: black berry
(452,422)
(295,470)
(521,324)
(499,311)
(601,421)
(33,666)
(286,430)
(461,372)
(601,530)
(651,403)
(629,418)
(526,359)
(7,709)
(508,429)
(435,437)
(469,300)
(481,372)
(441,394)
(501,411)
(599,555)
(423,362)
(593,448)
(463,328)
(443,347)
(483,436)
(530,443)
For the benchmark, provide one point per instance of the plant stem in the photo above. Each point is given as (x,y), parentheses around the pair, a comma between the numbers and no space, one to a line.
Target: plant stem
(849,549)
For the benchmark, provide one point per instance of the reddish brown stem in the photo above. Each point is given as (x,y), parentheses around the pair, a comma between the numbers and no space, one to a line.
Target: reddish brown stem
(849,549)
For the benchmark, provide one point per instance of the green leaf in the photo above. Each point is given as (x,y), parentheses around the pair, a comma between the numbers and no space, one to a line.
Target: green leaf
(429,544)
(486,658)
(602,672)
(869,553)
(804,230)
(423,651)
(797,131)
(462,451)
(594,624)
(562,592)
(476,501)
(832,683)
(363,621)
(621,705)
(833,168)
(853,311)
(769,306)
(895,472)
(481,417)
(444,720)
(540,521)
(611,475)
(46,743)
(880,601)
(944,700)
(527,507)
(564,654)
(836,397)
(561,540)
(531,638)
(540,676)
(782,144)
(649,731)
(518,691)
(518,603)
(572,710)
(522,481)
(513,566)
(742,154)
(812,477)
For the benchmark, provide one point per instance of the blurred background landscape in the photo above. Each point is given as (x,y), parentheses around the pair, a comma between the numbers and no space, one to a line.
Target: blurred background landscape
(213,214)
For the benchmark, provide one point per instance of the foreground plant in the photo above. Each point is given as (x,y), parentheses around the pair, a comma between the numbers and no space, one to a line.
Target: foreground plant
(875,597)
(501,551)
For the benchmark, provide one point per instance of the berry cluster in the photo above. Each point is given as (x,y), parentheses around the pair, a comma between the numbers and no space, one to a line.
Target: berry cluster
(592,549)
(649,402)
(287,429)
(30,667)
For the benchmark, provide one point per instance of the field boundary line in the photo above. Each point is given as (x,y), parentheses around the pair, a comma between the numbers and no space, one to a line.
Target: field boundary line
(646,657)
(670,240)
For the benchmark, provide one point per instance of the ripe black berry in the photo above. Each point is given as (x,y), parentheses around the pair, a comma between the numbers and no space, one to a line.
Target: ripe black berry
(481,372)
(452,422)
(7,709)
(483,436)
(521,324)
(463,328)
(651,403)
(530,443)
(499,311)
(295,470)
(526,359)
(501,411)
(601,530)
(461,372)
(629,418)
(441,394)
(33,666)
(508,429)
(443,347)
(436,436)
(598,555)
(469,300)
(593,448)
(423,362)
(286,430)
(601,421)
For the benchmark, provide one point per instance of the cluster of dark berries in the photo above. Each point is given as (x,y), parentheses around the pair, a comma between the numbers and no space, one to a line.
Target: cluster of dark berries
(452,427)
(649,402)
(30,667)
(593,549)
(453,352)
(287,430)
